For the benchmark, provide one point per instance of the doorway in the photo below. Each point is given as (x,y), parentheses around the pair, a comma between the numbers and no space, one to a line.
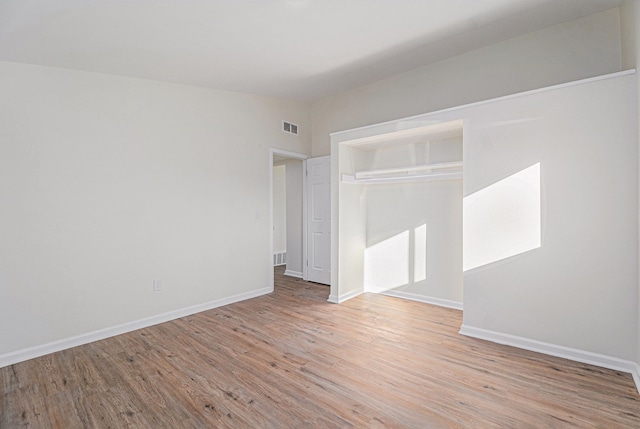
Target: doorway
(287,211)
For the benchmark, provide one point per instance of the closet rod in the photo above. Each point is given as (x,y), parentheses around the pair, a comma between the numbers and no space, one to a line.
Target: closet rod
(408,170)
(402,179)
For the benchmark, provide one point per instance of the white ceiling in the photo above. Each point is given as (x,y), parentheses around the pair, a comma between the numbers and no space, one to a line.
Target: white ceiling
(303,49)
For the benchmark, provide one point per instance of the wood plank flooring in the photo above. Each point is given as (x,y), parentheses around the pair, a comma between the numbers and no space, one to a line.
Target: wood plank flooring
(292,360)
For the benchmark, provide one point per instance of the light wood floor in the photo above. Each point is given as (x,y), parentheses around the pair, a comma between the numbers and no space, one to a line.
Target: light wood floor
(292,360)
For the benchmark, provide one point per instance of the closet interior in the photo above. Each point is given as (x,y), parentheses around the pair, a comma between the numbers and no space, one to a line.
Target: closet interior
(409,190)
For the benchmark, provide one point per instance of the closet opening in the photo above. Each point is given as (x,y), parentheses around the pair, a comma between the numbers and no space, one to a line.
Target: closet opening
(401,201)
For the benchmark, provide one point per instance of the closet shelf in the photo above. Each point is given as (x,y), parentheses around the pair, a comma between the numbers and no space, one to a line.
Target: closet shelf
(427,172)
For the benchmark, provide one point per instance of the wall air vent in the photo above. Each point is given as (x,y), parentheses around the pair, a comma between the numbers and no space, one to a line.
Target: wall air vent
(289,128)
(279,259)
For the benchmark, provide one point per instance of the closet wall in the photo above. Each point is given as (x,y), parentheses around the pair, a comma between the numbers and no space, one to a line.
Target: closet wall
(414,228)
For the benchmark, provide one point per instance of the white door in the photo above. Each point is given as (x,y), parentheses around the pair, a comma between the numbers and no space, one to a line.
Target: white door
(319,220)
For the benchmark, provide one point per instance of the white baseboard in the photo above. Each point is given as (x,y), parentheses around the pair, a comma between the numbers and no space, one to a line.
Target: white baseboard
(339,299)
(297,274)
(56,346)
(556,350)
(456,305)
(636,377)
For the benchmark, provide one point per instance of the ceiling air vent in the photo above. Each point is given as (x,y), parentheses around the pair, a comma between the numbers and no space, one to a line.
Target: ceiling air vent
(289,128)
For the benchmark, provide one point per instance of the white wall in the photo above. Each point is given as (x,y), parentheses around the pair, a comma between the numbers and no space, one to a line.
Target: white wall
(294,216)
(630,29)
(562,53)
(107,183)
(279,209)
(579,289)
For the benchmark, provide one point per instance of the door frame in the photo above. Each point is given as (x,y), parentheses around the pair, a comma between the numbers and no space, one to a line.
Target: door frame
(303,158)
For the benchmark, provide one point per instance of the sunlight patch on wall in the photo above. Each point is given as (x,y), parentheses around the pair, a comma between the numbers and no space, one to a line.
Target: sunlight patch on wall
(503,219)
(420,253)
(386,264)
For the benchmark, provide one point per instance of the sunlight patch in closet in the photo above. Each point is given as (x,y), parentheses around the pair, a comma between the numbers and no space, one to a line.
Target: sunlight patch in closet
(503,219)
(386,264)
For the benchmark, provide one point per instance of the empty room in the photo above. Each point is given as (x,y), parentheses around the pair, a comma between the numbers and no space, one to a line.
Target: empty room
(319,214)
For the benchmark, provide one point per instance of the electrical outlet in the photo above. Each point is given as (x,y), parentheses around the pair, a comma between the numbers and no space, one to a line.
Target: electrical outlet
(157,286)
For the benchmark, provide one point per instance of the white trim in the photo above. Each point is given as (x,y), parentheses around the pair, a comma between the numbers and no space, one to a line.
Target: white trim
(636,377)
(491,100)
(56,346)
(290,273)
(345,297)
(577,355)
(288,154)
(305,231)
(456,305)
(438,130)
